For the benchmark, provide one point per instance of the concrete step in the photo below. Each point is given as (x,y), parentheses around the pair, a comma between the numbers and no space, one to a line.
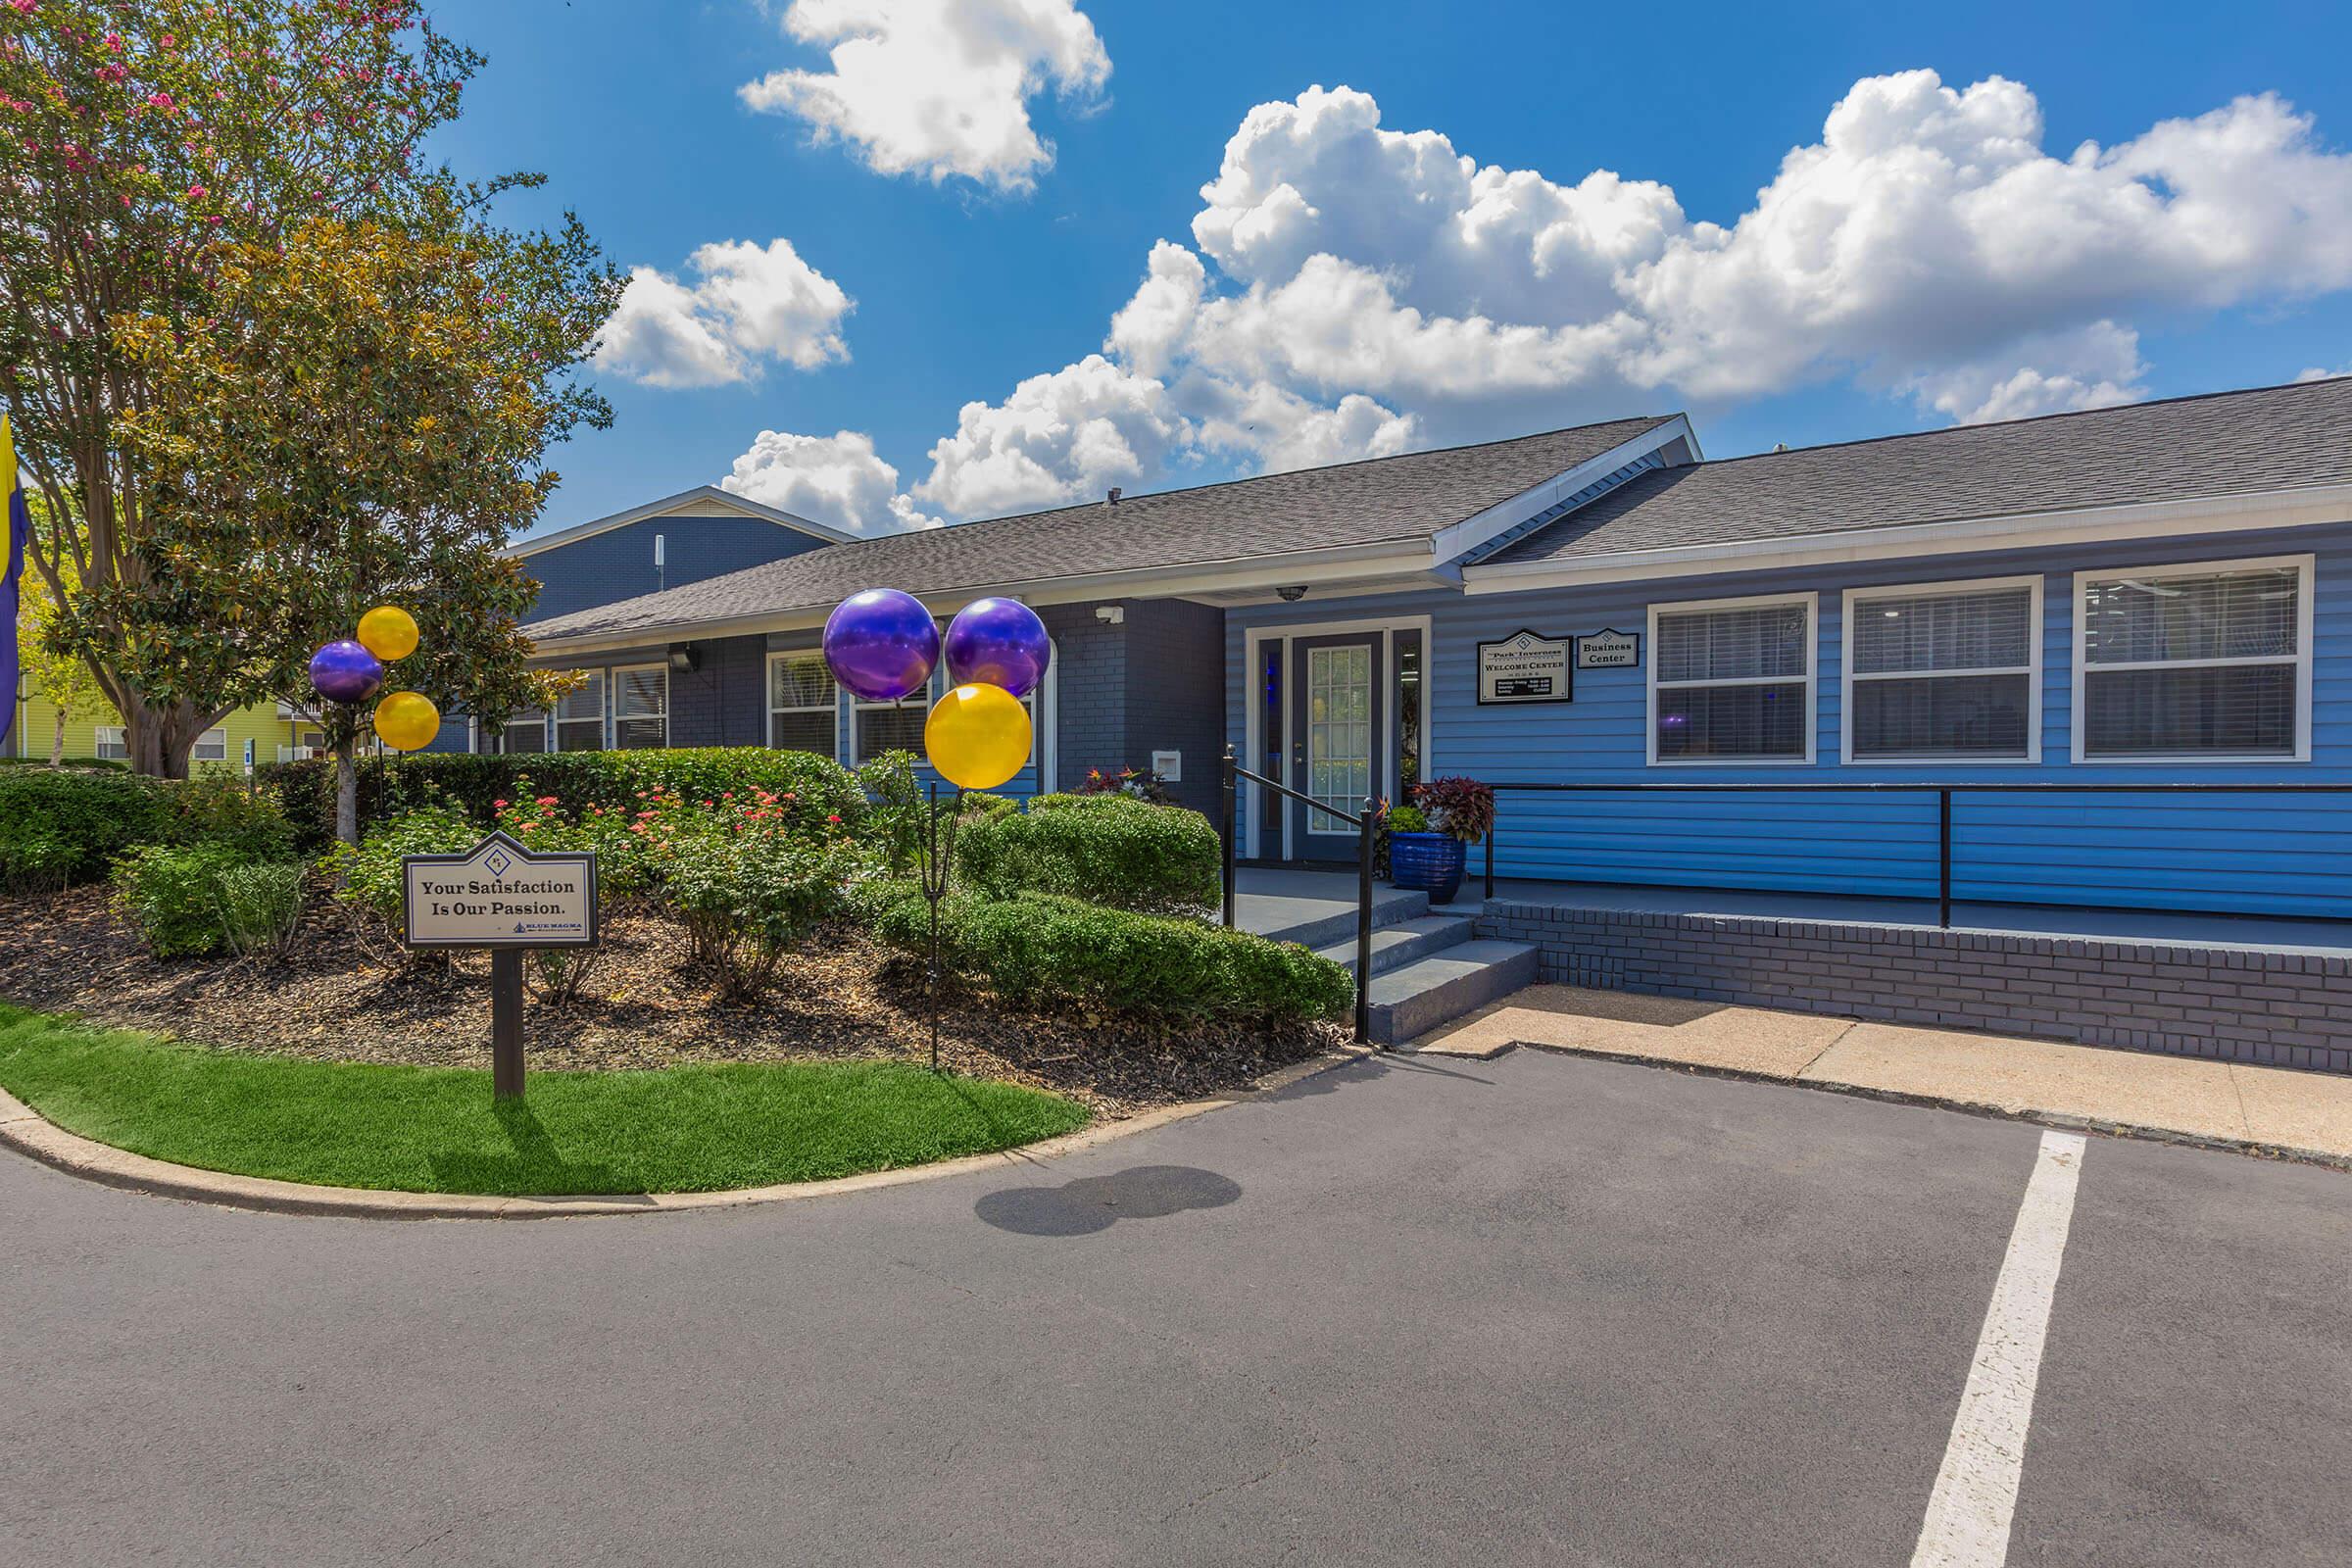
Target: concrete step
(1415,998)
(1395,946)
(1319,922)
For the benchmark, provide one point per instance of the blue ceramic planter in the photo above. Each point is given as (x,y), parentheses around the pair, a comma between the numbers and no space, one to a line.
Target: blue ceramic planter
(1432,862)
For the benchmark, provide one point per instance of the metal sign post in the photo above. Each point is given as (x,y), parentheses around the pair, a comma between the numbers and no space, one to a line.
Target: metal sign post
(505,899)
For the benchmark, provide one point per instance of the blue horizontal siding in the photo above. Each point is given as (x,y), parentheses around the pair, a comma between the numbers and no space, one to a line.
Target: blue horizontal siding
(2254,854)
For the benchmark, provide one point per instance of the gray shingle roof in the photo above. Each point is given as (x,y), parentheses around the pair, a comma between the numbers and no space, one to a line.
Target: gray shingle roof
(2223,443)
(1373,502)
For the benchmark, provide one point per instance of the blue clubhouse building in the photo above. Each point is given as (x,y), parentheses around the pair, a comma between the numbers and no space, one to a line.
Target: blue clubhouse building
(2156,595)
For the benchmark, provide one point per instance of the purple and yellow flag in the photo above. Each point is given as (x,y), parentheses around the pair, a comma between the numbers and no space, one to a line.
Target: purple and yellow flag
(11,574)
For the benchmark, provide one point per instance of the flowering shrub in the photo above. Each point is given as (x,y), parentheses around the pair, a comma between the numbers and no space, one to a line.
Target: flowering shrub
(1127,781)
(746,897)
(1463,807)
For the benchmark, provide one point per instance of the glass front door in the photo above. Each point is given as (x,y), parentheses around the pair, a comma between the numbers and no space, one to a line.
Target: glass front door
(1334,732)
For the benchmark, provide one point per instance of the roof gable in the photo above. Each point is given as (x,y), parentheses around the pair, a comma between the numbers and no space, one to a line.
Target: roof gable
(703,501)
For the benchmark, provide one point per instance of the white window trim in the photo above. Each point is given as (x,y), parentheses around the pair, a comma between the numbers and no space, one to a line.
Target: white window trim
(1812,607)
(858,705)
(2306,577)
(1909,590)
(115,735)
(832,704)
(221,730)
(604,710)
(546,733)
(614,717)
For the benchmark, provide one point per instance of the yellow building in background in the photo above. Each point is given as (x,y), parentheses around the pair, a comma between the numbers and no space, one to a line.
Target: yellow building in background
(265,733)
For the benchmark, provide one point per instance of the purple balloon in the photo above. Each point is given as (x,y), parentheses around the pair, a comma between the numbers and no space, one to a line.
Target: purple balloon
(999,642)
(345,672)
(881,644)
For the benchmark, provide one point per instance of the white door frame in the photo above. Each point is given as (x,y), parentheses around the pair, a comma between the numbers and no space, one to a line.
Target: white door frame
(1254,708)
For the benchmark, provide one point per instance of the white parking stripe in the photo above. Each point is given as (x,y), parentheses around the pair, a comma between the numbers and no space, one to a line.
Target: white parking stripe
(1976,1492)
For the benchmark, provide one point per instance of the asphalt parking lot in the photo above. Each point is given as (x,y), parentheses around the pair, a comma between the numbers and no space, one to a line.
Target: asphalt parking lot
(1539,1309)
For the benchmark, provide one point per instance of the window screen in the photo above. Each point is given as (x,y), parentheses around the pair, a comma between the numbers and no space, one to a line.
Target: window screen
(1943,673)
(580,716)
(641,707)
(2191,663)
(800,704)
(1732,682)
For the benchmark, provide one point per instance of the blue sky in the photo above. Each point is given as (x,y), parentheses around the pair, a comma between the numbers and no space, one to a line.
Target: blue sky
(969,196)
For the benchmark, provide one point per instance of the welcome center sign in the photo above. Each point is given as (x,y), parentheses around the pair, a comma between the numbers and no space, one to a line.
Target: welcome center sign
(500,895)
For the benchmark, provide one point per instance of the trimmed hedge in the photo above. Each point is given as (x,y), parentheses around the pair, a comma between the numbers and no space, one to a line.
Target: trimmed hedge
(1041,951)
(1104,849)
(67,825)
(106,764)
(58,827)
(579,779)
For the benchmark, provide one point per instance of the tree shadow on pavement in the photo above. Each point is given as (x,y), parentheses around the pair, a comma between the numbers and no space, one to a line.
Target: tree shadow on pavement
(1093,1203)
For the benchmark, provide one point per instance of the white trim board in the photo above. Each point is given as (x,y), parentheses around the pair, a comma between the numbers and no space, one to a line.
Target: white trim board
(676,506)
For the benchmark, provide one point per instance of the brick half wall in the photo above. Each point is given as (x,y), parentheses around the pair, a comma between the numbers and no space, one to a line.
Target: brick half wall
(2282,1009)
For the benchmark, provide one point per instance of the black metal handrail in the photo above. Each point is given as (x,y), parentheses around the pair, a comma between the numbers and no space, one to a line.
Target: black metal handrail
(1364,824)
(1943,794)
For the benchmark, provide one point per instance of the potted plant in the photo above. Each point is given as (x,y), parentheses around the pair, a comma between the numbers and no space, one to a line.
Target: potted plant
(1429,839)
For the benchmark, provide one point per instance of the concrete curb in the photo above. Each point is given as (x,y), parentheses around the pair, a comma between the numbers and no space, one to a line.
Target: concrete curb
(29,1132)
(2062,1120)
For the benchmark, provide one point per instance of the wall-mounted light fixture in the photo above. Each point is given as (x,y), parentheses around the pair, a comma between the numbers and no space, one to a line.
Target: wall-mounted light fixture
(1290,596)
(1110,615)
(683,657)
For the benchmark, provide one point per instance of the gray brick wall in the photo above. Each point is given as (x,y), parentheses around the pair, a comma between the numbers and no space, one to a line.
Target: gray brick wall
(1153,682)
(2279,1010)
(1176,691)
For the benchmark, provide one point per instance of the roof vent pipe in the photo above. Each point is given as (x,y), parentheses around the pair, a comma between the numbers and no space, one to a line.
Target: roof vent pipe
(1112,499)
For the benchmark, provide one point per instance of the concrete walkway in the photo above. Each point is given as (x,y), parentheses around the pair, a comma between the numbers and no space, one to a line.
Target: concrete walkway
(2270,1109)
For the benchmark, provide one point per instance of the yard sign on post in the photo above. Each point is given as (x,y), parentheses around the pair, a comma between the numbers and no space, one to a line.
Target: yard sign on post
(505,899)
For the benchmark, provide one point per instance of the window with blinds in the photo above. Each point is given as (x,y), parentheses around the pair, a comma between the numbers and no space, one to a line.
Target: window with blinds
(800,704)
(580,716)
(1732,681)
(641,707)
(523,732)
(1943,673)
(2208,662)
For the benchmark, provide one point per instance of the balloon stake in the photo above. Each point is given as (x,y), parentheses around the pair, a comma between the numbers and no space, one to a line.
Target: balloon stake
(939,851)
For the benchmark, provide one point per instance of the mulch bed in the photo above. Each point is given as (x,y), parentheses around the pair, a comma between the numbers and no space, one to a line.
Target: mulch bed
(345,996)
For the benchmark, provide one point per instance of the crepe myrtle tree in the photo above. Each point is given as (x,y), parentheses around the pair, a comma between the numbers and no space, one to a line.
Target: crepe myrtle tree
(141,142)
(361,419)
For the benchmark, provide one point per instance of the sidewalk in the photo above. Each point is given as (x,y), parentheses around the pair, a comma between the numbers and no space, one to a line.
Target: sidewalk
(2266,1109)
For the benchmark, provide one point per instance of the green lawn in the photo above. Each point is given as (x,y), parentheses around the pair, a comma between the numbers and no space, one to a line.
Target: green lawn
(435,1129)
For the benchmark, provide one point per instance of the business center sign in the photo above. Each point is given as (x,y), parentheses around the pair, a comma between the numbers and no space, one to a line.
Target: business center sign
(500,895)
(1525,668)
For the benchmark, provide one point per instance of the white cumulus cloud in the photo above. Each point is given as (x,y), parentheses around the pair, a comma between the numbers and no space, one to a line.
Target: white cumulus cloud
(836,479)
(1348,290)
(938,87)
(1061,437)
(749,305)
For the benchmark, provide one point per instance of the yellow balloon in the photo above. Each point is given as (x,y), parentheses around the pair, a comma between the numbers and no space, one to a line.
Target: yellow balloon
(388,632)
(977,736)
(407,721)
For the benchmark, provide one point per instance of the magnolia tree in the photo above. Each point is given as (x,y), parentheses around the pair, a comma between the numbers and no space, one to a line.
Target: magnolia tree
(360,420)
(185,186)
